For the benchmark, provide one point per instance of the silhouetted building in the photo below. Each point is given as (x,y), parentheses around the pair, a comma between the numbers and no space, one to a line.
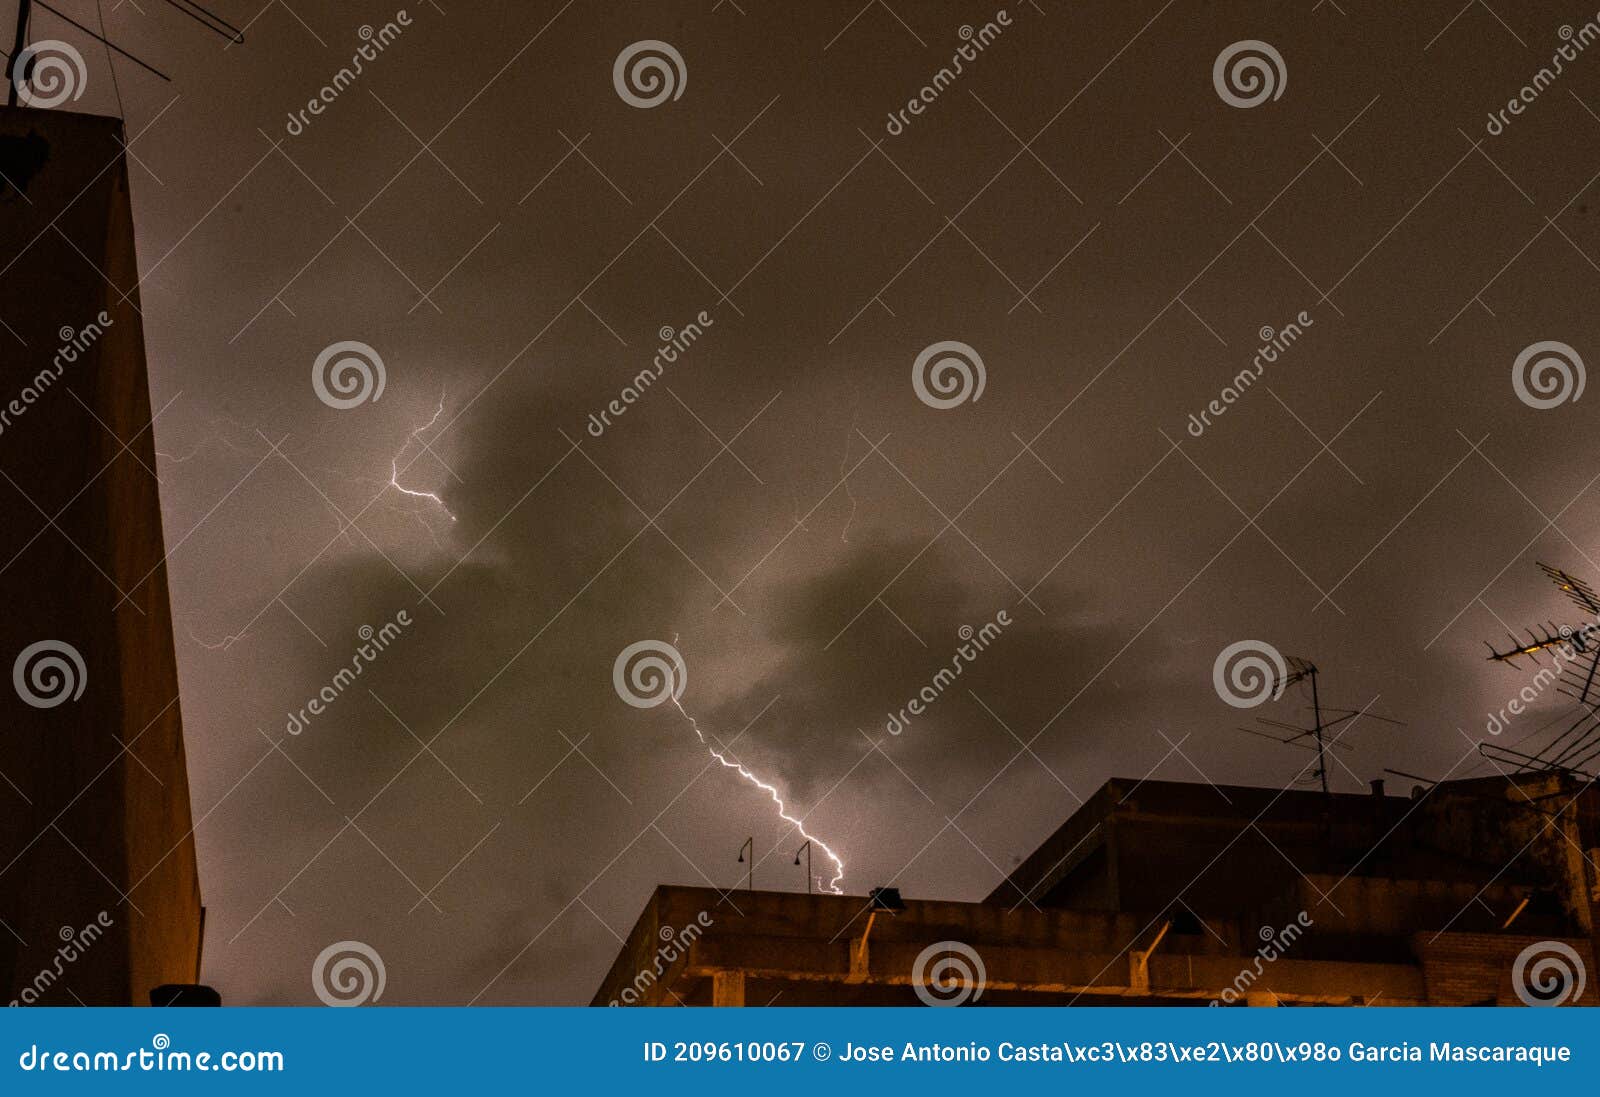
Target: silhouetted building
(99,896)
(1158,892)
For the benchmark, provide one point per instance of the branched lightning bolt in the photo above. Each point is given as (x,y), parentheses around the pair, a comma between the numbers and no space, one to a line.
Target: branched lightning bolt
(844,473)
(221,645)
(783,811)
(394,464)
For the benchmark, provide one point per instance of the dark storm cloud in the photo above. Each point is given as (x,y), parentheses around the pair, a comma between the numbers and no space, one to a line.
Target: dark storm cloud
(838,672)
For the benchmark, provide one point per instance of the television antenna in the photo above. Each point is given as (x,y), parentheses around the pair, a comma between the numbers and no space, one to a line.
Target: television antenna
(1299,670)
(1579,744)
(20,62)
(1498,754)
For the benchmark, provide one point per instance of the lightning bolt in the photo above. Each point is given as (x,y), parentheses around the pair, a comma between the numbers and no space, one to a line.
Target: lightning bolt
(844,473)
(221,645)
(783,811)
(394,464)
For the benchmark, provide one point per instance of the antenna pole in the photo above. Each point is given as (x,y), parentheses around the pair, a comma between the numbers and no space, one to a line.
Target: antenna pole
(14,71)
(1316,708)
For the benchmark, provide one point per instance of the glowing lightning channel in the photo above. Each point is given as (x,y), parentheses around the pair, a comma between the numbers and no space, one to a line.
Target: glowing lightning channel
(394,464)
(783,811)
(844,474)
(221,645)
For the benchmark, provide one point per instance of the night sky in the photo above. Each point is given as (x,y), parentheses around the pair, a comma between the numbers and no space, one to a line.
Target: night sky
(1080,206)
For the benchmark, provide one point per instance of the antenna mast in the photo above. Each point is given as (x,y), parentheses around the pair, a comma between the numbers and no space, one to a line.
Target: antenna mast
(1316,708)
(13,75)
(1301,670)
(1304,670)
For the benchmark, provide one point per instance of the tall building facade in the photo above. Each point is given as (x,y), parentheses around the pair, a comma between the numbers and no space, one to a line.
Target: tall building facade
(99,891)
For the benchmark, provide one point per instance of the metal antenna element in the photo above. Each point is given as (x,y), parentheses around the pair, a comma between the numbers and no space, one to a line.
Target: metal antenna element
(1575,655)
(65,18)
(1314,737)
(208,19)
(1496,753)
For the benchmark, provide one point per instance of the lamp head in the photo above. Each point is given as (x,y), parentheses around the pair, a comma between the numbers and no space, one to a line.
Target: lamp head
(887,899)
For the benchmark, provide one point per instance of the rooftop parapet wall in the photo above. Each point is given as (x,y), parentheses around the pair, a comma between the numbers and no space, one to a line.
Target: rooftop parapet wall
(1475,969)
(780,937)
(1380,907)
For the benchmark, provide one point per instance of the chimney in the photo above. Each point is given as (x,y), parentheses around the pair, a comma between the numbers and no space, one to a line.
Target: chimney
(1377,787)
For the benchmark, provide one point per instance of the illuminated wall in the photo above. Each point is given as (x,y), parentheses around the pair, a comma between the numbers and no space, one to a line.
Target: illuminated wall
(98,887)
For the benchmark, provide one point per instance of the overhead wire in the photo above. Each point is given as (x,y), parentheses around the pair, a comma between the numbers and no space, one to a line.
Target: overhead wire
(110,61)
(102,38)
(208,19)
